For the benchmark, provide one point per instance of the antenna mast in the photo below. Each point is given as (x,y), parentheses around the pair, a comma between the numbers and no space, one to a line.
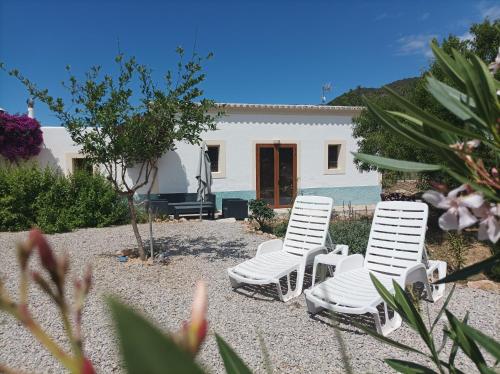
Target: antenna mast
(327,87)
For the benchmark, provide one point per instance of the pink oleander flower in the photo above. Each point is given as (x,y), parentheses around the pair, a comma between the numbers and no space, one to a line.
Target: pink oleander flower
(495,65)
(489,225)
(458,216)
(193,333)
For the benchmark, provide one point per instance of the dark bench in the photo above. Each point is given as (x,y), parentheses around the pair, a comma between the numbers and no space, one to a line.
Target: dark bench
(182,203)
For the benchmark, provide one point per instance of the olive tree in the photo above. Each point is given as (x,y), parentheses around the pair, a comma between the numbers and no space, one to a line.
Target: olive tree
(125,122)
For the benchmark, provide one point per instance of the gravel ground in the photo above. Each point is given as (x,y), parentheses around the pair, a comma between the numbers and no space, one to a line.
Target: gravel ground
(203,250)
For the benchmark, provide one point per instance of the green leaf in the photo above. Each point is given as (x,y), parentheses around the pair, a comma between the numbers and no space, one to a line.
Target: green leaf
(441,311)
(448,65)
(268,366)
(144,348)
(454,347)
(384,293)
(471,270)
(467,345)
(490,344)
(409,132)
(232,362)
(432,121)
(455,102)
(487,83)
(411,314)
(385,339)
(408,367)
(398,165)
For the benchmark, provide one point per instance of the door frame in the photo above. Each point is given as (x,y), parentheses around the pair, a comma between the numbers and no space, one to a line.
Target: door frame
(276,147)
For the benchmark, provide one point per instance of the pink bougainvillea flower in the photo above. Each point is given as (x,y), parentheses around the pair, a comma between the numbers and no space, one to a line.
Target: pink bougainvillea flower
(489,225)
(21,137)
(458,215)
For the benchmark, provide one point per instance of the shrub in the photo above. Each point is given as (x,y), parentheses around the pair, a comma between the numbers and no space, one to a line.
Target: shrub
(19,189)
(354,233)
(20,137)
(262,213)
(280,227)
(458,249)
(32,196)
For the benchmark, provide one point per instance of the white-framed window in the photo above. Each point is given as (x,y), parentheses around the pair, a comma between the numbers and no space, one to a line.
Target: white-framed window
(216,150)
(335,156)
(77,162)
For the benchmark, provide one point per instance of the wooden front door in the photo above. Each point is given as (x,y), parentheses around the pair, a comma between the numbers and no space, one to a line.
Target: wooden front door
(277,174)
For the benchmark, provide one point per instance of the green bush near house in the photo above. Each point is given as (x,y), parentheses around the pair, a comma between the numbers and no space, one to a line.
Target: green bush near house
(30,196)
(354,233)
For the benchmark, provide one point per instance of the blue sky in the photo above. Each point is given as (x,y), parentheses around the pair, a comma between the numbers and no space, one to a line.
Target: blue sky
(264,51)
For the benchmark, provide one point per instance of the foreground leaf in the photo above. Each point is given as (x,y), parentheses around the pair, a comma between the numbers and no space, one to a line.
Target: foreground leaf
(232,362)
(488,343)
(471,270)
(408,367)
(385,339)
(145,349)
(397,165)
(468,346)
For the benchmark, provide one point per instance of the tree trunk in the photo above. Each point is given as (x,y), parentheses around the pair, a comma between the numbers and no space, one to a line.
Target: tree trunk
(133,221)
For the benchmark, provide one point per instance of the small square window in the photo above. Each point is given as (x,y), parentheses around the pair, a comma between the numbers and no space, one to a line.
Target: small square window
(333,156)
(82,164)
(213,154)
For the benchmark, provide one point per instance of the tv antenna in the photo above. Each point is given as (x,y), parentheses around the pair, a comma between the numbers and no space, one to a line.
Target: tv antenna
(327,87)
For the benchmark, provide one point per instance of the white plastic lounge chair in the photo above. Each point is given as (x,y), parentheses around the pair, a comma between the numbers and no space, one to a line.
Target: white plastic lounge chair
(305,238)
(395,251)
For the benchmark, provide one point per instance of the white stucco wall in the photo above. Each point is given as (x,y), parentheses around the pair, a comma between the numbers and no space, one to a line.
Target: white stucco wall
(241,130)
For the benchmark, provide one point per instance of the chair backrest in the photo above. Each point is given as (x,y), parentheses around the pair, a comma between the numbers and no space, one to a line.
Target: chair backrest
(397,237)
(308,225)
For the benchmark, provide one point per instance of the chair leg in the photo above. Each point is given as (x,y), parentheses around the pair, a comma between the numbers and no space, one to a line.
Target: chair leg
(438,290)
(390,324)
(290,294)
(234,283)
(312,307)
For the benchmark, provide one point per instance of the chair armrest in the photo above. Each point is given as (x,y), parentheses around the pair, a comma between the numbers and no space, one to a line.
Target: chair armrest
(350,263)
(312,253)
(415,273)
(342,249)
(272,245)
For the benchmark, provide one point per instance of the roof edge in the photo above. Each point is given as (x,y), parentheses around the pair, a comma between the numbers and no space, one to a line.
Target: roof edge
(293,107)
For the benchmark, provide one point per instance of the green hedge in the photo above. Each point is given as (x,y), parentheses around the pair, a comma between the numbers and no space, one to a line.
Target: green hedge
(354,233)
(30,196)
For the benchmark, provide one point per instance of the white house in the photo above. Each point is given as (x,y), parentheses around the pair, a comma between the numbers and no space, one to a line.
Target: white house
(262,151)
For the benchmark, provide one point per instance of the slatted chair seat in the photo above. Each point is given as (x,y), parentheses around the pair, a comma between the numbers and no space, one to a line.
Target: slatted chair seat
(305,238)
(395,252)
(345,291)
(274,264)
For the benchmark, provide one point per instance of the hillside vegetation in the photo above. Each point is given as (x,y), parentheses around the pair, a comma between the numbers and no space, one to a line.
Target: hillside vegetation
(354,96)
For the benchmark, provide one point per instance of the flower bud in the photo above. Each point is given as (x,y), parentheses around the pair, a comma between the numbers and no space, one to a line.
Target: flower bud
(46,255)
(87,280)
(24,251)
(87,367)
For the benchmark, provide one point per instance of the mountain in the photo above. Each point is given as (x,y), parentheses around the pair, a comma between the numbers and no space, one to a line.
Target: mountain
(354,96)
